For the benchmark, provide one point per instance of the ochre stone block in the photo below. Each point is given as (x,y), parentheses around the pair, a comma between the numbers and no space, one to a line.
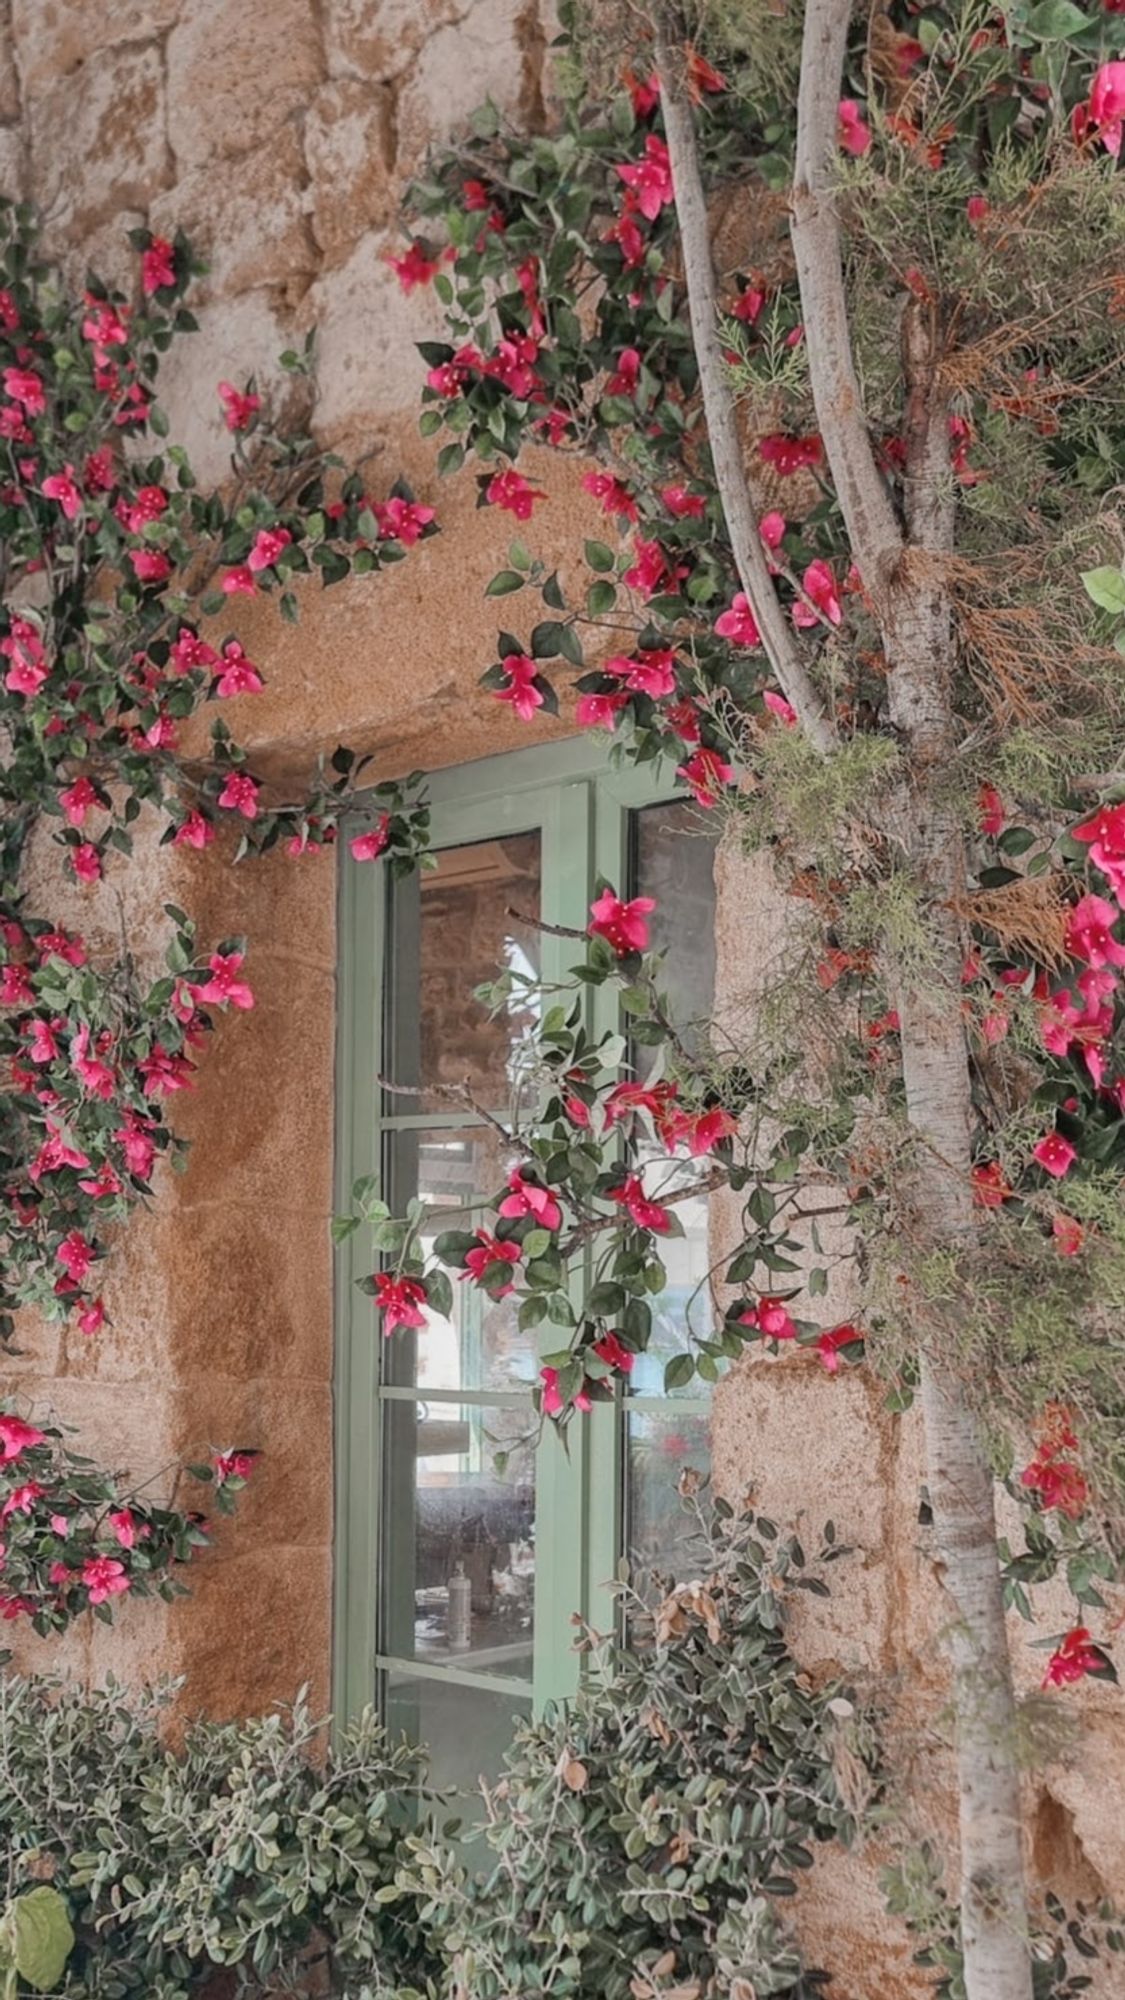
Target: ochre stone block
(252,1291)
(247,223)
(255,1629)
(235,73)
(97,137)
(380,38)
(55,37)
(349,150)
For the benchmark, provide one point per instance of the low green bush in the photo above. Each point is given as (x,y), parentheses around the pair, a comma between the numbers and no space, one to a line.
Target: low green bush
(639,1843)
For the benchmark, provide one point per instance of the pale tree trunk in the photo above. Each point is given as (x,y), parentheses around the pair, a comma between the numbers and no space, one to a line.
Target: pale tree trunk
(912,605)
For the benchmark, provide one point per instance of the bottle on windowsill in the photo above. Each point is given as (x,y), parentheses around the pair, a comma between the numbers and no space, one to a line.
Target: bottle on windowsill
(459,1611)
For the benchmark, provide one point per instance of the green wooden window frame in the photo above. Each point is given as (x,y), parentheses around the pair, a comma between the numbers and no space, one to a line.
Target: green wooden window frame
(581,806)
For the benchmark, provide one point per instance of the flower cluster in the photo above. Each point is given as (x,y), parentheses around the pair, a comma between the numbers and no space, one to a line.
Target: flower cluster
(75,1540)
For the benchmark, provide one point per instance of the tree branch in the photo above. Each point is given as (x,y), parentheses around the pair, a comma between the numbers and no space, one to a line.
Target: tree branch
(741,507)
(869,517)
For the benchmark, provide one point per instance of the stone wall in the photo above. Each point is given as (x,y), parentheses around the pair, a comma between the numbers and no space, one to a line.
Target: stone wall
(281,137)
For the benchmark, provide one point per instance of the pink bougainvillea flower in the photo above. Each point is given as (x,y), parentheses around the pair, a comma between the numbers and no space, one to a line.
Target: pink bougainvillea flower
(402,520)
(551,1396)
(738,624)
(770,1318)
(748,304)
(158,265)
(55,1152)
(24,386)
(834,1342)
(23,647)
(777,705)
(705,773)
(92,1317)
(75,1255)
(511,491)
(700,1131)
(1076,1655)
(990,1189)
(399,1300)
(526,1197)
(652,672)
(60,944)
(150,565)
(771,529)
(163,1073)
(105,324)
(268,544)
(77,800)
(977,208)
(17,1437)
(104,1577)
(819,585)
(124,1527)
(414,267)
(520,690)
(1089,933)
(790,454)
(622,925)
(1055,1154)
(96,1076)
(240,795)
(623,381)
(1104,832)
(599,711)
(615,498)
(138,1146)
(683,717)
(492,1251)
(240,581)
(990,810)
(22,1499)
(612,1350)
(86,862)
(42,1045)
(15,987)
(368,846)
(234,1465)
(195,832)
(1107,105)
(643,1211)
(1056,1478)
(225,988)
(239,675)
(190,652)
(649,180)
(650,570)
(64,487)
(852,131)
(685,506)
(1069,1234)
(240,406)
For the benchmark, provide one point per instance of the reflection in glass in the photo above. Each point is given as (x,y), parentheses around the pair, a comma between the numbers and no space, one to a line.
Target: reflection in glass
(683,1313)
(658,1527)
(480,1345)
(466,1731)
(459,1559)
(451,931)
(674,862)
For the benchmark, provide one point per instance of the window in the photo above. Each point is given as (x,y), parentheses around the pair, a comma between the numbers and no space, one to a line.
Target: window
(456,1586)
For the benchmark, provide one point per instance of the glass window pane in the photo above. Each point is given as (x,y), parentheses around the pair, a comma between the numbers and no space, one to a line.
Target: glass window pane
(480,1345)
(684,1311)
(451,931)
(674,862)
(459,1548)
(659,1529)
(466,1731)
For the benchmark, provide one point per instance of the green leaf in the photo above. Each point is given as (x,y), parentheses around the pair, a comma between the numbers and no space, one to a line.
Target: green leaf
(599,557)
(679,1371)
(1105,586)
(504,582)
(41,1935)
(1056,21)
(600,598)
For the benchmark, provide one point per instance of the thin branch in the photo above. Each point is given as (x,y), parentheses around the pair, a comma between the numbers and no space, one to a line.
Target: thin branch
(741,508)
(869,517)
(457,1093)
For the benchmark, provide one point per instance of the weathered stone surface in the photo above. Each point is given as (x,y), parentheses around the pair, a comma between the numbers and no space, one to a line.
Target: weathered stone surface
(254,1629)
(13,162)
(380,38)
(97,137)
(235,73)
(247,222)
(349,148)
(55,37)
(236,339)
(366,330)
(9,76)
(493,51)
